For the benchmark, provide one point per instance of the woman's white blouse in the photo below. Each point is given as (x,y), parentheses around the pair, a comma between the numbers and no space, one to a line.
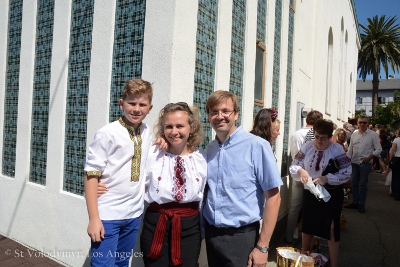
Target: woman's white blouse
(306,159)
(162,177)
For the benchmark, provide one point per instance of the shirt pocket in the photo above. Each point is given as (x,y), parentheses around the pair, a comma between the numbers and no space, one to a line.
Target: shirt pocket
(242,177)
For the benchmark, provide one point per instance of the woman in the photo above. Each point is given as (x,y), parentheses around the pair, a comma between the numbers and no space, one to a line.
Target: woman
(385,143)
(175,181)
(395,153)
(340,137)
(322,218)
(266,125)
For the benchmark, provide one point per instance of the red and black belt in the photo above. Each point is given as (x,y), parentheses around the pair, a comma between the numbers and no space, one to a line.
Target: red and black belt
(173,211)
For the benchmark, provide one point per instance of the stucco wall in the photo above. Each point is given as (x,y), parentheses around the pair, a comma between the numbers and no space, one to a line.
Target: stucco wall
(48,218)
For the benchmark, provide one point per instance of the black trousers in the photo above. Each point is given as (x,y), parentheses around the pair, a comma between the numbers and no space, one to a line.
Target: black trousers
(190,240)
(230,248)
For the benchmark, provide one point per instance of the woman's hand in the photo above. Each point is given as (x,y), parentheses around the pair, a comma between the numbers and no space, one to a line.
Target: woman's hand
(303,175)
(101,189)
(320,180)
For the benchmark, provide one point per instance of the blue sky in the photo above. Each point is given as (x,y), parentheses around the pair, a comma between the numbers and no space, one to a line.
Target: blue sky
(369,8)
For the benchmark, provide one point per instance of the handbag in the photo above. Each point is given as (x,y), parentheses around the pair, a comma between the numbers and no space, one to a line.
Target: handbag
(388,178)
(394,163)
(332,167)
(292,257)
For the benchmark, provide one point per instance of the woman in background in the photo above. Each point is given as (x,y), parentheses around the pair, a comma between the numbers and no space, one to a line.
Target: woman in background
(266,125)
(340,137)
(395,152)
(322,218)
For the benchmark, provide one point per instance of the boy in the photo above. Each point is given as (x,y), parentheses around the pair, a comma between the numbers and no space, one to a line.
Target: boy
(117,156)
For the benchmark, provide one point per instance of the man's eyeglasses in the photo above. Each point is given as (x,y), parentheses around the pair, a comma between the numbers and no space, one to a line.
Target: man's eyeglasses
(362,122)
(226,113)
(321,138)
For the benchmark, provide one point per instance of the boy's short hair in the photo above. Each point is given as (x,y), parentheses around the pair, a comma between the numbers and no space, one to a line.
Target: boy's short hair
(313,116)
(138,86)
(219,96)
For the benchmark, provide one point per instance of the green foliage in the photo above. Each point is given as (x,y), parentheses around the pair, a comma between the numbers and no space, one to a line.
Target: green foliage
(380,46)
(389,115)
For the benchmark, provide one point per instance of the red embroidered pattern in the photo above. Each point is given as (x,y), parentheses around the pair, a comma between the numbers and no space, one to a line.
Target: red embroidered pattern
(179,189)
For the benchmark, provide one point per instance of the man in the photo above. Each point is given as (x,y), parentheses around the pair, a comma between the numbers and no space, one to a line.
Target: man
(364,145)
(297,140)
(242,177)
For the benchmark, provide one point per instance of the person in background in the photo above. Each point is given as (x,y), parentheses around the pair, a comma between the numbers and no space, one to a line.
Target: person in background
(266,125)
(298,138)
(175,182)
(244,182)
(395,152)
(117,158)
(322,218)
(340,137)
(349,129)
(385,143)
(364,145)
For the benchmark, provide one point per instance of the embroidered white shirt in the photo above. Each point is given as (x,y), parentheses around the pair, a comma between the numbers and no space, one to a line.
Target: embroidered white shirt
(161,177)
(111,153)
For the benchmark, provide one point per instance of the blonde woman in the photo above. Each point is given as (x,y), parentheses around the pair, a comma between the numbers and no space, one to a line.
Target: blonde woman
(340,137)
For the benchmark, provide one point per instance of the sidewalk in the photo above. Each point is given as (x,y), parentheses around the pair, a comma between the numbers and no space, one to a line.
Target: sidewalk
(369,239)
(15,254)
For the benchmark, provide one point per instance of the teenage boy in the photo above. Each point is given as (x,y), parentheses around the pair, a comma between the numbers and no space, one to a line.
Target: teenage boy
(241,191)
(117,158)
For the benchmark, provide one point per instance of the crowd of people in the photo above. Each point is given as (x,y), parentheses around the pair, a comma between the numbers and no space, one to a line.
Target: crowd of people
(193,193)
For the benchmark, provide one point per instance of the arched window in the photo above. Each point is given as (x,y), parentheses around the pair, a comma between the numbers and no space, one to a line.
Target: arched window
(329,74)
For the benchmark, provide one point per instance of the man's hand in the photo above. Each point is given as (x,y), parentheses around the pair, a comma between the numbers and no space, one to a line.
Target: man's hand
(96,230)
(257,259)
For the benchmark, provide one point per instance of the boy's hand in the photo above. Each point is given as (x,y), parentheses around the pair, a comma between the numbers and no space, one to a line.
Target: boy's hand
(96,230)
(162,143)
(101,189)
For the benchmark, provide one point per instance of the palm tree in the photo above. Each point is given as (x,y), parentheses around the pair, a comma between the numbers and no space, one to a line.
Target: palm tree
(380,46)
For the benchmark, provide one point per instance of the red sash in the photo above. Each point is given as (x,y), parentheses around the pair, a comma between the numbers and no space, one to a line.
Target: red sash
(173,211)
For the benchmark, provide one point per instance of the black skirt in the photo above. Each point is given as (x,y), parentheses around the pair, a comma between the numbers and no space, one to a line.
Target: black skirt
(318,214)
(190,240)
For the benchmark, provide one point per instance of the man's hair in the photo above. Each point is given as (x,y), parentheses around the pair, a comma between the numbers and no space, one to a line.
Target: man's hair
(363,117)
(313,116)
(137,86)
(322,126)
(220,96)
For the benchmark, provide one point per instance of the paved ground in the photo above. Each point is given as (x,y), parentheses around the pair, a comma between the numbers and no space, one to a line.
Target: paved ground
(371,239)
(15,254)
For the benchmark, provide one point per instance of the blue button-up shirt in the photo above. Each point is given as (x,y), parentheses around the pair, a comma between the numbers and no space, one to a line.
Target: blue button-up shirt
(239,171)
